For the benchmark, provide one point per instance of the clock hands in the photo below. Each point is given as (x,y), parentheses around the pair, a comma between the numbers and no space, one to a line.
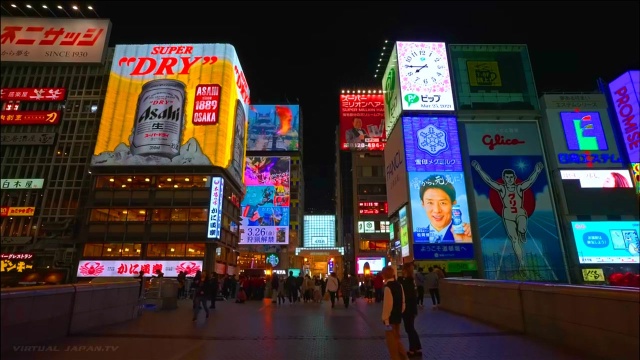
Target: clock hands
(420,67)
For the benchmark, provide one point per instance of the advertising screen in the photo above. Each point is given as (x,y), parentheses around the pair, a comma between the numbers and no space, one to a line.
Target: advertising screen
(583,131)
(319,230)
(425,81)
(362,122)
(590,179)
(635,171)
(265,207)
(625,94)
(274,128)
(372,207)
(404,231)
(131,268)
(164,103)
(395,170)
(215,207)
(376,264)
(439,211)
(517,222)
(606,242)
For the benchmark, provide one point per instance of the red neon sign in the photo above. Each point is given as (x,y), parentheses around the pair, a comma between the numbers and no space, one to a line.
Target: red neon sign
(373,207)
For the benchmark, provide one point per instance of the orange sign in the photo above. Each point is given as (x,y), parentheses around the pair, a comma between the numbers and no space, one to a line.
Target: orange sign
(17,211)
(30,118)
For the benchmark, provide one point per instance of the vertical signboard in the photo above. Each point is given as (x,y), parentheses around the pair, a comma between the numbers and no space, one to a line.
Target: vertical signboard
(396,170)
(625,93)
(518,231)
(425,82)
(391,90)
(362,122)
(265,207)
(215,208)
(439,211)
(404,232)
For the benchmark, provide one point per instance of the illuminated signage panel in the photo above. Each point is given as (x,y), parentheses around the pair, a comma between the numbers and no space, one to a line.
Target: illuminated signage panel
(274,128)
(362,122)
(130,268)
(215,208)
(606,242)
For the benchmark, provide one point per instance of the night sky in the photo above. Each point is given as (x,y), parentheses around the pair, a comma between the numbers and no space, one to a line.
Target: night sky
(306,52)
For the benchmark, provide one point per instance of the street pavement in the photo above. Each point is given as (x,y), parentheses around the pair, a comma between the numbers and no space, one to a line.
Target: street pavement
(265,331)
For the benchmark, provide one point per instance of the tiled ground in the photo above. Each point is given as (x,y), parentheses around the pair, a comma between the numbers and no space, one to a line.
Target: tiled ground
(261,330)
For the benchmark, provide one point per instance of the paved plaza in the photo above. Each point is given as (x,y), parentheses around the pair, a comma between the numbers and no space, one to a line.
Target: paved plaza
(261,330)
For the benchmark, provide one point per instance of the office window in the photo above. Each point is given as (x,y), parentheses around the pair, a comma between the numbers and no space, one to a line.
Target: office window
(176,250)
(195,250)
(161,215)
(92,250)
(372,189)
(156,250)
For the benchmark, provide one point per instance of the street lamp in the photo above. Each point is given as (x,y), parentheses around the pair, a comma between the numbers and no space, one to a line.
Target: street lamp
(51,11)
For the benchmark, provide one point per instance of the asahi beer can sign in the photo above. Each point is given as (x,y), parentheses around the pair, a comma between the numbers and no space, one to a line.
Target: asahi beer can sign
(159,119)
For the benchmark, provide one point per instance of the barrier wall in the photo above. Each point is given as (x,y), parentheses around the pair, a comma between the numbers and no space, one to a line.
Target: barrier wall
(35,315)
(597,321)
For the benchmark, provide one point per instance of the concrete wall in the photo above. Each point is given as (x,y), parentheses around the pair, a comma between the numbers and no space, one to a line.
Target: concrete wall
(35,315)
(598,321)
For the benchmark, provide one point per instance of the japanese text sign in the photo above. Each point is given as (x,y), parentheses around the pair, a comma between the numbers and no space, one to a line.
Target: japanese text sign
(215,208)
(206,105)
(372,207)
(130,268)
(593,275)
(624,93)
(431,144)
(30,117)
(4,256)
(27,138)
(16,262)
(20,184)
(54,40)
(17,211)
(362,122)
(33,94)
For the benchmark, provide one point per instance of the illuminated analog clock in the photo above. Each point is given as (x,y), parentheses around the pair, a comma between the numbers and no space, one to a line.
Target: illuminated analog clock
(424,75)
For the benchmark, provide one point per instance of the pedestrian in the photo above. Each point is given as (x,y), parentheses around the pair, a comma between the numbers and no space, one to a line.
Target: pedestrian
(378,286)
(275,287)
(432,282)
(182,278)
(332,287)
(281,291)
(419,278)
(141,277)
(292,288)
(411,311)
(345,289)
(214,289)
(200,295)
(393,305)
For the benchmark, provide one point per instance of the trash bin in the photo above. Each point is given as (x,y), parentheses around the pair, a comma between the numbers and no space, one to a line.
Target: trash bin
(169,293)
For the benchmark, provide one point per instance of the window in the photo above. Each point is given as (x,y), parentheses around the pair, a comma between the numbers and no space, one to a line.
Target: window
(366,245)
(183,181)
(103,215)
(195,250)
(198,214)
(131,250)
(92,250)
(123,182)
(372,189)
(176,250)
(111,250)
(365,171)
(156,250)
(179,214)
(161,215)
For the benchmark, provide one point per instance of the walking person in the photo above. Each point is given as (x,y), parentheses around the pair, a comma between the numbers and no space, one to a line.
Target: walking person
(393,305)
(292,288)
(332,287)
(275,287)
(419,278)
(281,291)
(200,295)
(182,277)
(345,289)
(378,286)
(432,281)
(411,311)
(214,288)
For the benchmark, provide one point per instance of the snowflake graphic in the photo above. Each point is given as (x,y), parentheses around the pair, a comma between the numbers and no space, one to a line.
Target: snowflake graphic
(432,140)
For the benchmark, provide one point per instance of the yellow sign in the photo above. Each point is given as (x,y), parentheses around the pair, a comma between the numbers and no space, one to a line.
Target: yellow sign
(484,73)
(17,266)
(175,105)
(591,275)
(17,211)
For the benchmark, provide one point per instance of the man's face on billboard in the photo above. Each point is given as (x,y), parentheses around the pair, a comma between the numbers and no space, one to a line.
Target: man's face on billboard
(437,205)
(357,123)
(509,179)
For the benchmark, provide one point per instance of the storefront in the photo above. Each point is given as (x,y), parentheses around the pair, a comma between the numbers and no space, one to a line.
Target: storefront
(321,262)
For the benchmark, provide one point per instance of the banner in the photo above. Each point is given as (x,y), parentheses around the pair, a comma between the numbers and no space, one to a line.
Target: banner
(274,128)
(44,117)
(439,212)
(164,103)
(362,122)
(131,268)
(265,207)
(54,40)
(517,223)
(27,138)
(33,94)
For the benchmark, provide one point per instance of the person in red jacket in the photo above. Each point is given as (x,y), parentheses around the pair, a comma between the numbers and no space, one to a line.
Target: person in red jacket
(378,285)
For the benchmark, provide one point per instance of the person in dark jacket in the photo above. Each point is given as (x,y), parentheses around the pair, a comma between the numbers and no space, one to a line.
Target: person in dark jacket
(292,288)
(411,310)
(200,296)
(213,289)
(393,305)
(275,285)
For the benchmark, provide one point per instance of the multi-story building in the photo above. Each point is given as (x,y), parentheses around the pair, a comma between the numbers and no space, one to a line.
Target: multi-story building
(54,153)
(272,209)
(360,180)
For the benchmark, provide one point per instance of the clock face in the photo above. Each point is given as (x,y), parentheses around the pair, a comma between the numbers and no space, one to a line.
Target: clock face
(424,76)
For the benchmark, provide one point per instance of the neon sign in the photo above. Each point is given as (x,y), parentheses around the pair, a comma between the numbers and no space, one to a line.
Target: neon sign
(583,131)
(587,158)
(373,208)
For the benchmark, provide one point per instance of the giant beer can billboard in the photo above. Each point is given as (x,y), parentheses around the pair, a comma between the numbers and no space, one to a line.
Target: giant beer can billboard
(174,105)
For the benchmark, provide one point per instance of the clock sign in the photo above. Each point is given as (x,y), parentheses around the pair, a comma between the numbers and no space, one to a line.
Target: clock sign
(425,82)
